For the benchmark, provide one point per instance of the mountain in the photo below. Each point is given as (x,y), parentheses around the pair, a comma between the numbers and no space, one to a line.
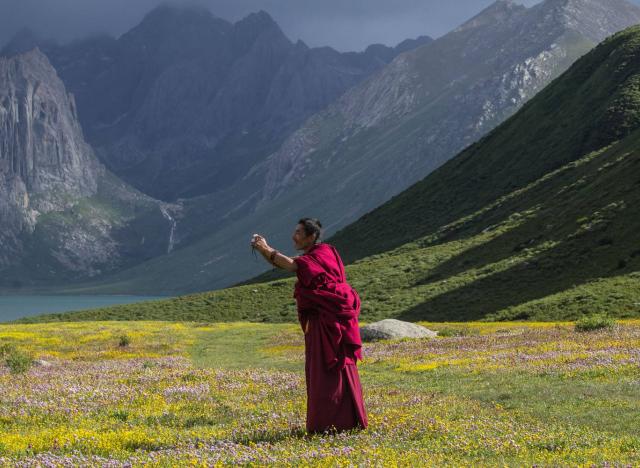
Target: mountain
(381,136)
(429,104)
(538,220)
(44,157)
(63,215)
(185,103)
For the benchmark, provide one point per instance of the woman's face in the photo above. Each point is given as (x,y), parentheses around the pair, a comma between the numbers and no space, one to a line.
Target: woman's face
(300,238)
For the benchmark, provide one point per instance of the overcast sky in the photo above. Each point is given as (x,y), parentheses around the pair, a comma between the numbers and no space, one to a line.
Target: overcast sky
(342,24)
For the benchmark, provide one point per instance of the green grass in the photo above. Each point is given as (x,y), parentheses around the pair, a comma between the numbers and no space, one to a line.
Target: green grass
(240,346)
(594,322)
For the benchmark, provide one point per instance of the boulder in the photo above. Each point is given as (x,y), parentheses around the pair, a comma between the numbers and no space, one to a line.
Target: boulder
(42,363)
(392,329)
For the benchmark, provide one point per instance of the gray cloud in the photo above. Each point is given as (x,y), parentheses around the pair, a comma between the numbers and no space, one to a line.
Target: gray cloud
(342,24)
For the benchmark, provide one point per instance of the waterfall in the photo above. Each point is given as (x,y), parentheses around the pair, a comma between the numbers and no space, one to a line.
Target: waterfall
(173,224)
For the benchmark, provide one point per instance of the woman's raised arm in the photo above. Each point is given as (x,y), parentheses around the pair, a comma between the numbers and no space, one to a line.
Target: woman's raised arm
(273,256)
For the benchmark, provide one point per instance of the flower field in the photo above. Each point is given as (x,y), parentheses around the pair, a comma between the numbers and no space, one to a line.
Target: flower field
(167,394)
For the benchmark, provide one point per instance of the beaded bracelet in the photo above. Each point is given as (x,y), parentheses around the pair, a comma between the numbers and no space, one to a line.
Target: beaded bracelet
(273,255)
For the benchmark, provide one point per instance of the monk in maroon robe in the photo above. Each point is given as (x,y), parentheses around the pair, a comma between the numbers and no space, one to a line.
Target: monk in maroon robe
(328,309)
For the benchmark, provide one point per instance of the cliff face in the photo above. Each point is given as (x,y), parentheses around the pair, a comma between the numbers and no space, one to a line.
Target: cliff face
(62,214)
(45,164)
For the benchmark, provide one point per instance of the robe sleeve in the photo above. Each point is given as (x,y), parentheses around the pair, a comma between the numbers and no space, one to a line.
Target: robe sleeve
(309,272)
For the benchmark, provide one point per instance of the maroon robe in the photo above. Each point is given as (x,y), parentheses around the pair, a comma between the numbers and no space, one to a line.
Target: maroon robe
(329,306)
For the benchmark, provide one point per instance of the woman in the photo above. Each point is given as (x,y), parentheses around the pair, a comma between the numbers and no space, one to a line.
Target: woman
(328,309)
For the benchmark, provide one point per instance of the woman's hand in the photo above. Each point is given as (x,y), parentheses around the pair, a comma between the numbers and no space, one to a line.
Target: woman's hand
(259,243)
(271,255)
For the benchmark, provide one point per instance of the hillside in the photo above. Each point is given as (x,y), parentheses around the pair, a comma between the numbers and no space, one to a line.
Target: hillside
(538,220)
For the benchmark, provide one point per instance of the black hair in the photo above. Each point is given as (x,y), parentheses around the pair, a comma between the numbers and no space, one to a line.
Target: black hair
(312,226)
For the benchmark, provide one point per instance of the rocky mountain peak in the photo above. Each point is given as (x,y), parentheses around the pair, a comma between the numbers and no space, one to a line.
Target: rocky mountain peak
(260,19)
(410,44)
(254,26)
(184,25)
(499,11)
(165,13)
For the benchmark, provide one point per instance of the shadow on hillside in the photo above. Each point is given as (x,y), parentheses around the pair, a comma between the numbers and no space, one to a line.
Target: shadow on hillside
(602,244)
(502,247)
(545,221)
(550,272)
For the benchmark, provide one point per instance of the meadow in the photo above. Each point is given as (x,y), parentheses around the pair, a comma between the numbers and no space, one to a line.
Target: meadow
(200,394)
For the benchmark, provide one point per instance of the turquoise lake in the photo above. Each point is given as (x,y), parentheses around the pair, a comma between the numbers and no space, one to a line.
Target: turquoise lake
(13,307)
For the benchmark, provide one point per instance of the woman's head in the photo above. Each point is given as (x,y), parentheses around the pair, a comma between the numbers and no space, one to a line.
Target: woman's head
(307,233)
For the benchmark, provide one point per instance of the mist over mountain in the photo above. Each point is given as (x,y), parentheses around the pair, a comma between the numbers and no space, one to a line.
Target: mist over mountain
(185,103)
(344,26)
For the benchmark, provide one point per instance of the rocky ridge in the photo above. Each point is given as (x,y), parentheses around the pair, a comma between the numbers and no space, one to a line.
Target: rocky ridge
(45,163)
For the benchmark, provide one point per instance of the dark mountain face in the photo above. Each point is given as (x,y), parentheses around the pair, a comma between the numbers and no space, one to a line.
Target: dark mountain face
(185,103)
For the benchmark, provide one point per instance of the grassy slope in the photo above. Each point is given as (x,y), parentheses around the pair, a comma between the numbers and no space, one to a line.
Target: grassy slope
(536,221)
(561,247)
